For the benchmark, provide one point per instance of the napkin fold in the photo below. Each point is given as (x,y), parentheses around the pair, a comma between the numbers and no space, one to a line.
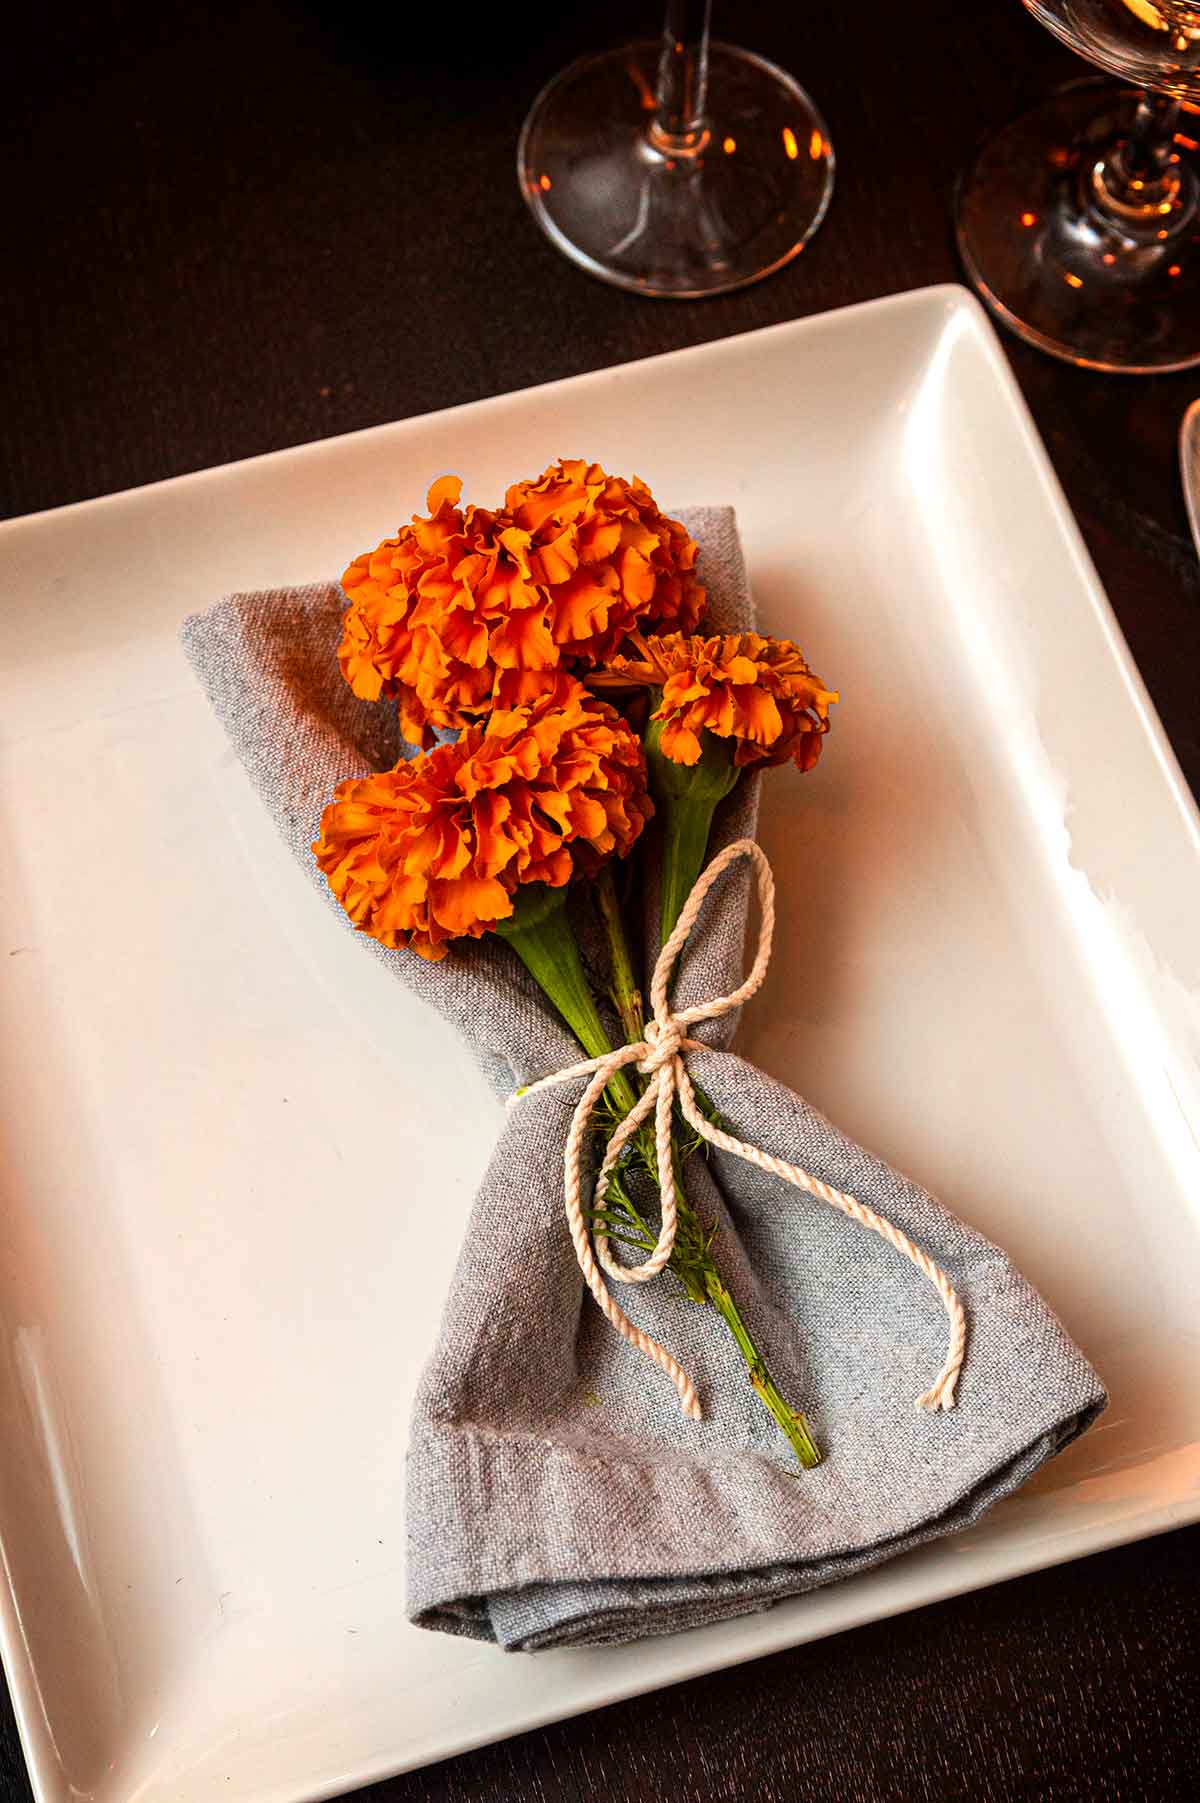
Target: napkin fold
(556,1495)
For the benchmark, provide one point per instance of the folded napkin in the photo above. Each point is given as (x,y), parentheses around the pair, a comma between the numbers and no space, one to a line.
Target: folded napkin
(556,1494)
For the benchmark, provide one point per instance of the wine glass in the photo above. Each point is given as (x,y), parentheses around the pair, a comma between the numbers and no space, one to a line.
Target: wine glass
(680,168)
(1080,222)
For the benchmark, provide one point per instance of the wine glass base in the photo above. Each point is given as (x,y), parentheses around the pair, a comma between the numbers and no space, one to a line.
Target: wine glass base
(1051,268)
(741,205)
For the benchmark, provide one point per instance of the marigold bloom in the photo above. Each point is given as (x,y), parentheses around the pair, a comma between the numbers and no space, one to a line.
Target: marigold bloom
(436,848)
(608,559)
(466,610)
(756,691)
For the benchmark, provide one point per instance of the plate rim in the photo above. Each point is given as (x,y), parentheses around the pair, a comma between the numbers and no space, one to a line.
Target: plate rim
(945,301)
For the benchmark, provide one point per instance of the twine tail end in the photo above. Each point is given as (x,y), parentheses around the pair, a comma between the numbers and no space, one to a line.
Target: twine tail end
(941,1396)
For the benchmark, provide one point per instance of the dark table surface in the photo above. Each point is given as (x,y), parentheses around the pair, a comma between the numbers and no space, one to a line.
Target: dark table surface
(231,228)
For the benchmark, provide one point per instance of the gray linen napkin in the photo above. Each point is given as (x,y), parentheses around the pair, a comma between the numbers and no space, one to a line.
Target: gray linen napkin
(556,1495)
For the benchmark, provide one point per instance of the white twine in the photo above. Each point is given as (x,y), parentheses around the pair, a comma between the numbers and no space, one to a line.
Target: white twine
(659,1056)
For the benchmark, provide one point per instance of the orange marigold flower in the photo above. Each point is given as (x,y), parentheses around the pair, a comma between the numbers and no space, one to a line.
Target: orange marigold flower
(608,560)
(756,691)
(436,848)
(412,627)
(466,609)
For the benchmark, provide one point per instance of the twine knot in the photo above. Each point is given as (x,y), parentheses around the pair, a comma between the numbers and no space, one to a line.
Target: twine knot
(664,1040)
(659,1056)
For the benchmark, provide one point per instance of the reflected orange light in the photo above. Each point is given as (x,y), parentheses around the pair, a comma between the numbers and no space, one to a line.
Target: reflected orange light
(1060,158)
(645,91)
(816,147)
(729,146)
(1108,257)
(1175,269)
(1188,143)
(1028,219)
(1074,280)
(789,142)
(544,183)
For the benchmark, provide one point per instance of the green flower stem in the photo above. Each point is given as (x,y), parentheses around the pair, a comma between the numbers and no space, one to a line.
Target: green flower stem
(540,934)
(694,1265)
(685,841)
(692,1260)
(791,1425)
(686,796)
(627,997)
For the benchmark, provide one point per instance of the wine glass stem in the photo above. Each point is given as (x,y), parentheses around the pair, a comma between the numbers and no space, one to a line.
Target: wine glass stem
(679,127)
(1140,184)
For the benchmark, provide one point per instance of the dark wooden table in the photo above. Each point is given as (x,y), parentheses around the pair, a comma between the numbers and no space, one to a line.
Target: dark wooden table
(235,227)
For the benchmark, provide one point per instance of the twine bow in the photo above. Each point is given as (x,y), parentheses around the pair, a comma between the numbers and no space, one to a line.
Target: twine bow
(660,1057)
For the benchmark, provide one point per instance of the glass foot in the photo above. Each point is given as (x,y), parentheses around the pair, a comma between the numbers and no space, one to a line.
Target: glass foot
(1058,271)
(635,212)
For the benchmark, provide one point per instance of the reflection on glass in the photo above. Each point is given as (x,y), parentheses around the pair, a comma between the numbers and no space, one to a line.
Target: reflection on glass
(679,168)
(1080,222)
(1155,42)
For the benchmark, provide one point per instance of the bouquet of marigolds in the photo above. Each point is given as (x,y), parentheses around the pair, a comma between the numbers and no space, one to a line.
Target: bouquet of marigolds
(562,865)
(552,675)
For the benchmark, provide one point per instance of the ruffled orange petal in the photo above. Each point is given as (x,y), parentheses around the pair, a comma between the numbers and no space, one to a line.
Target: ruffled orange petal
(433,611)
(680,743)
(523,642)
(470,902)
(757,692)
(437,848)
(445,492)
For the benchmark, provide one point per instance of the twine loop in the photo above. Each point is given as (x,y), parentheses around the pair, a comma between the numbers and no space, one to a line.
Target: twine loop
(659,1056)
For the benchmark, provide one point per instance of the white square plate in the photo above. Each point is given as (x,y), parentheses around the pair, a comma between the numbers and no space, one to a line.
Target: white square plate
(229,1141)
